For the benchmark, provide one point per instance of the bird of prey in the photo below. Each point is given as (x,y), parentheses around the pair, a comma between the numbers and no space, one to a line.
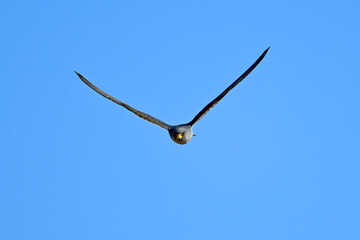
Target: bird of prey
(182,133)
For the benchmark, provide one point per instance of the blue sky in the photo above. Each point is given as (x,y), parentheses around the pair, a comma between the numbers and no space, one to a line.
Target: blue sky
(277,158)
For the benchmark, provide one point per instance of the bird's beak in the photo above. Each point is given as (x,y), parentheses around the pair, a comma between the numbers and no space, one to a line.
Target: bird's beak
(194,135)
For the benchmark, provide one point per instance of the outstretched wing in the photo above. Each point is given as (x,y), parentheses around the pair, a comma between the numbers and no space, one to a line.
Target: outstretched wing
(216,100)
(145,116)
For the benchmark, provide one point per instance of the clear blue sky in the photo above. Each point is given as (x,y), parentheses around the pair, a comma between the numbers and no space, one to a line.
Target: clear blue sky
(277,158)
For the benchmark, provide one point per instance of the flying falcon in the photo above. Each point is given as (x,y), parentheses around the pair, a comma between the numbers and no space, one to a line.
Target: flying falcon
(182,133)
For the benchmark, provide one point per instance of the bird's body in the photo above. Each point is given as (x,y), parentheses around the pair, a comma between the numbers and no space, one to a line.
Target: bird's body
(183,133)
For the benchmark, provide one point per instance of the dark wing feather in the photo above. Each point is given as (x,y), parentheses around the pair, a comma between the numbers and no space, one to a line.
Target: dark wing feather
(216,100)
(137,112)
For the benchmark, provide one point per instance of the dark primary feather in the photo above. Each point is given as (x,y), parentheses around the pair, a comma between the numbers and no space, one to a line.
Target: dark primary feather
(216,100)
(137,112)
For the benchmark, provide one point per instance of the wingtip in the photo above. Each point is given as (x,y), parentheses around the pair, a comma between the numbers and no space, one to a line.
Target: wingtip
(267,50)
(78,74)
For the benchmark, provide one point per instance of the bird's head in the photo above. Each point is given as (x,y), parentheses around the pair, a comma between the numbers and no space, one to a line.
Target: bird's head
(181,134)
